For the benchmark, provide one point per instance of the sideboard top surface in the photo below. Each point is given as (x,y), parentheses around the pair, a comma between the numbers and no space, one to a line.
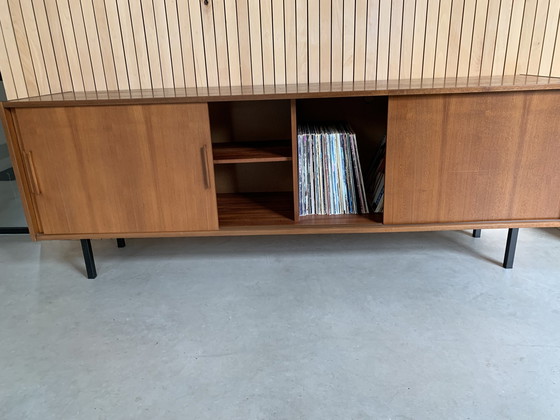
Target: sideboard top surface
(294,91)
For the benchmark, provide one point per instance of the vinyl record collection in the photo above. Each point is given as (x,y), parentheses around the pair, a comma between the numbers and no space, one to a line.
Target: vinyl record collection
(330,175)
(375,179)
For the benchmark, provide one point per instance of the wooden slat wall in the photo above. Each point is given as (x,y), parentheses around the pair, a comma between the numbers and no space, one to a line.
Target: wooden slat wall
(51,46)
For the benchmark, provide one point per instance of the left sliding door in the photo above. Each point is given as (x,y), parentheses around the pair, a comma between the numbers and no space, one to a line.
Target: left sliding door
(119,169)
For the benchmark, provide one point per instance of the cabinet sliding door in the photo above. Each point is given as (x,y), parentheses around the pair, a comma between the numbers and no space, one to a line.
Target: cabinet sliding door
(473,157)
(119,169)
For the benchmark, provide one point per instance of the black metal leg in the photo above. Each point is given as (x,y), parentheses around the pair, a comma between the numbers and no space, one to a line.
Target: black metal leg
(510,247)
(121,243)
(476,233)
(88,258)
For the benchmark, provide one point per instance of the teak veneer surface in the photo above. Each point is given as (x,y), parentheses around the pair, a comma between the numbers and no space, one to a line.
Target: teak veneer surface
(119,169)
(466,158)
(294,91)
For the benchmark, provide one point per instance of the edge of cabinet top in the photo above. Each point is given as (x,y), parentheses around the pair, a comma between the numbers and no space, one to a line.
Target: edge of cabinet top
(294,91)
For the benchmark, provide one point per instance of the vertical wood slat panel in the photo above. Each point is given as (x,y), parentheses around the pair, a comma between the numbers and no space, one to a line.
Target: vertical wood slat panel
(46,45)
(291,41)
(313,40)
(7,75)
(80,36)
(267,39)
(302,42)
(256,41)
(325,42)
(349,14)
(175,43)
(244,36)
(89,45)
(221,39)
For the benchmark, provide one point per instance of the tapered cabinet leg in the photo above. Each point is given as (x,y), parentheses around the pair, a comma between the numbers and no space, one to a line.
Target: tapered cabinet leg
(88,258)
(121,243)
(510,247)
(476,233)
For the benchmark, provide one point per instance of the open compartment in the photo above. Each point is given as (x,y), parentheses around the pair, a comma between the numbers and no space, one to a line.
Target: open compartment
(367,117)
(252,155)
(250,132)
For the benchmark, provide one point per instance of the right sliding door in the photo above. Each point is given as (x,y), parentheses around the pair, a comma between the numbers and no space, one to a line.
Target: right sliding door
(473,157)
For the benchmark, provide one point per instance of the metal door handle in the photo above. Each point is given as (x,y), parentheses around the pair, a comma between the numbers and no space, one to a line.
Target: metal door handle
(205,166)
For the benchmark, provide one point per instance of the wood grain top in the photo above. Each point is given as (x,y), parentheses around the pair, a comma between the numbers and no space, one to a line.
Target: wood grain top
(294,91)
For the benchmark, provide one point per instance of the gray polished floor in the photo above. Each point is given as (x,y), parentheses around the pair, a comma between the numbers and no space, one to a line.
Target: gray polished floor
(397,326)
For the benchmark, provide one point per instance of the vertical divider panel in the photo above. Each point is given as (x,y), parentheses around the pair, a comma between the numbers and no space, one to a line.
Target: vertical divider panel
(295,163)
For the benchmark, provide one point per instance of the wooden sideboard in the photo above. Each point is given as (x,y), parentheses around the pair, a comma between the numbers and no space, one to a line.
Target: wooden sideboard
(214,163)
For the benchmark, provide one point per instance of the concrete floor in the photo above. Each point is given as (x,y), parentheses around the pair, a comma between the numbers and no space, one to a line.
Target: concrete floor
(395,326)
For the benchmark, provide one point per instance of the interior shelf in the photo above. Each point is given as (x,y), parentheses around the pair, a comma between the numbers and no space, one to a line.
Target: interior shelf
(252,151)
(342,219)
(255,209)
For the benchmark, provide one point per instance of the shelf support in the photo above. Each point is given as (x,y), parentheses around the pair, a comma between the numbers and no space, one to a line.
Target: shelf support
(511,244)
(88,258)
(476,233)
(121,243)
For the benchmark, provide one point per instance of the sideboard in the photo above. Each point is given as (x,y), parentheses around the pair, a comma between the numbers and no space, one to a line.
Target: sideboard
(210,162)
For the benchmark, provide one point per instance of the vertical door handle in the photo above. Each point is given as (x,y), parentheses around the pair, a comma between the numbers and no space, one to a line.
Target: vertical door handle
(205,166)
(35,189)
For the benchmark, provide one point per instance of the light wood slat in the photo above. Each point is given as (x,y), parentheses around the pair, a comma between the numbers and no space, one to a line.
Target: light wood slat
(490,38)
(477,42)
(104,39)
(442,40)
(526,36)
(115,37)
(129,44)
(360,30)
(348,44)
(256,42)
(220,33)
(536,49)
(267,37)
(233,42)
(23,48)
(244,36)
(175,43)
(279,43)
(202,77)
(68,32)
(14,65)
(82,46)
(418,39)
(500,51)
(555,64)
(407,40)
(163,43)
(514,38)
(429,48)
(140,49)
(466,39)
(337,40)
(384,40)
(94,48)
(46,45)
(325,41)
(152,44)
(550,38)
(314,35)
(291,41)
(454,39)
(395,35)
(187,55)
(6,70)
(35,46)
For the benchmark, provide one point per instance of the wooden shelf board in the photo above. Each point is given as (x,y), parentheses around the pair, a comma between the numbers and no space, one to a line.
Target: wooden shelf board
(252,152)
(341,219)
(255,209)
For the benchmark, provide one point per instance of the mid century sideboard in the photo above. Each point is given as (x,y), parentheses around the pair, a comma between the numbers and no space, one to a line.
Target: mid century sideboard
(211,162)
